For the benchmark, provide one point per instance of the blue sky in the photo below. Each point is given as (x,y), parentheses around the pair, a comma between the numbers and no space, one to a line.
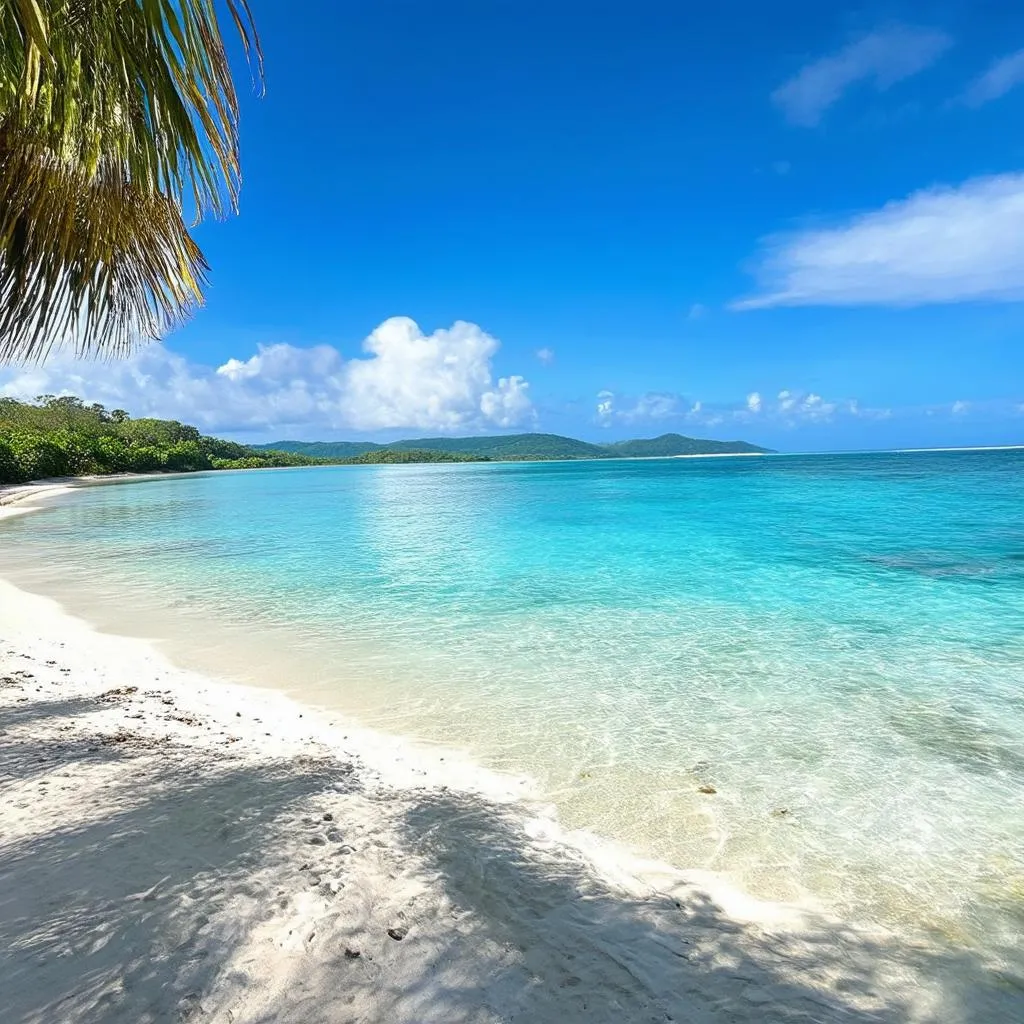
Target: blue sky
(796,223)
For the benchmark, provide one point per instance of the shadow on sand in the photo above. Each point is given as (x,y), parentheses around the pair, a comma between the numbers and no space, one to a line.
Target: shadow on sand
(177,869)
(164,876)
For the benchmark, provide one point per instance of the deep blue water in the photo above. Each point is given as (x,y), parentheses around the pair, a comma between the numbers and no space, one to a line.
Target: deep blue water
(834,643)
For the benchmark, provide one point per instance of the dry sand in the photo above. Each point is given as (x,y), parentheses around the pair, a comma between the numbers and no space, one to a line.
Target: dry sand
(179,848)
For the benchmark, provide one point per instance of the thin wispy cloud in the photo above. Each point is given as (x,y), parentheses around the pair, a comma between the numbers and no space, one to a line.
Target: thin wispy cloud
(883,58)
(792,407)
(939,245)
(1002,76)
(651,407)
(545,355)
(769,410)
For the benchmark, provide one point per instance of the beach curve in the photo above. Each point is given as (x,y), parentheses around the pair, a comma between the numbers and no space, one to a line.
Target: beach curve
(226,853)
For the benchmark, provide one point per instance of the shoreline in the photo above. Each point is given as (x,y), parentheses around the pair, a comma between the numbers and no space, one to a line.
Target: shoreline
(338,839)
(16,499)
(14,496)
(480,878)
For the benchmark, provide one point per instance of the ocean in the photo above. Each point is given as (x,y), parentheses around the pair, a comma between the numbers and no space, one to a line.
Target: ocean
(803,672)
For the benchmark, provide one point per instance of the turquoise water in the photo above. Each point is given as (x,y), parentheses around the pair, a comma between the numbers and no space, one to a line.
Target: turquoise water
(834,643)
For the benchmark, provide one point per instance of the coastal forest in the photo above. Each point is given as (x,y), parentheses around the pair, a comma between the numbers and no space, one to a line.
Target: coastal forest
(57,436)
(63,436)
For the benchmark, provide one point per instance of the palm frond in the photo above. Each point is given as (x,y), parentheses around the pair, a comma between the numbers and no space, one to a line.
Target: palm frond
(114,115)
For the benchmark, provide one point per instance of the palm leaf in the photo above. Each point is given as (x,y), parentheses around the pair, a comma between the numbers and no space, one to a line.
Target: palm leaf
(114,116)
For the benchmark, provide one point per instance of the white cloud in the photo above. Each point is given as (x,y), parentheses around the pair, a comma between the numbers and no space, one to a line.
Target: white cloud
(545,355)
(883,57)
(814,407)
(408,380)
(998,80)
(792,407)
(655,405)
(649,407)
(697,311)
(854,408)
(937,245)
(509,405)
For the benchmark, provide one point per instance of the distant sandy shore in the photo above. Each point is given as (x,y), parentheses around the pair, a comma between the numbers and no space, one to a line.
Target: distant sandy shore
(179,848)
(17,499)
(723,455)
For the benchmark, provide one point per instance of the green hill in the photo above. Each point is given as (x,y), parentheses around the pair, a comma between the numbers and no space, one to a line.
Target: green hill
(522,446)
(322,449)
(677,444)
(500,446)
(510,446)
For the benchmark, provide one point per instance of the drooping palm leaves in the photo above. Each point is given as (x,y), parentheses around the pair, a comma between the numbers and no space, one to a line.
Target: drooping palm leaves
(114,116)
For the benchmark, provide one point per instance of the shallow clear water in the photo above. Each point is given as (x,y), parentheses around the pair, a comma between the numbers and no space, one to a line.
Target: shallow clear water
(834,643)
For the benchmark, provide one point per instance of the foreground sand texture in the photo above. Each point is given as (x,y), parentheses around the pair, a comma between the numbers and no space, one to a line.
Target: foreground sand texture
(174,848)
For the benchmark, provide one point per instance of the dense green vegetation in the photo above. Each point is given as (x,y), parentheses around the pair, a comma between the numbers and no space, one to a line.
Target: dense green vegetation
(65,437)
(405,455)
(326,449)
(62,436)
(524,446)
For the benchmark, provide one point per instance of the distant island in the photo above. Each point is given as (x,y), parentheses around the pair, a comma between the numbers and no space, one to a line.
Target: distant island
(511,447)
(58,436)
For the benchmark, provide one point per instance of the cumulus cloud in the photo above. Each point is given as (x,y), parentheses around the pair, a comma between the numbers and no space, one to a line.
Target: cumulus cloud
(408,380)
(882,57)
(545,355)
(938,245)
(959,408)
(754,401)
(1002,76)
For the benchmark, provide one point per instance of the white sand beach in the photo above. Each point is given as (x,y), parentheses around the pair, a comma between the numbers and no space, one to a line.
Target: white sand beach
(18,499)
(178,848)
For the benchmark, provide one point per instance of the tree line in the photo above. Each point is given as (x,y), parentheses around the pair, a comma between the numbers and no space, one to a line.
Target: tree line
(63,436)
